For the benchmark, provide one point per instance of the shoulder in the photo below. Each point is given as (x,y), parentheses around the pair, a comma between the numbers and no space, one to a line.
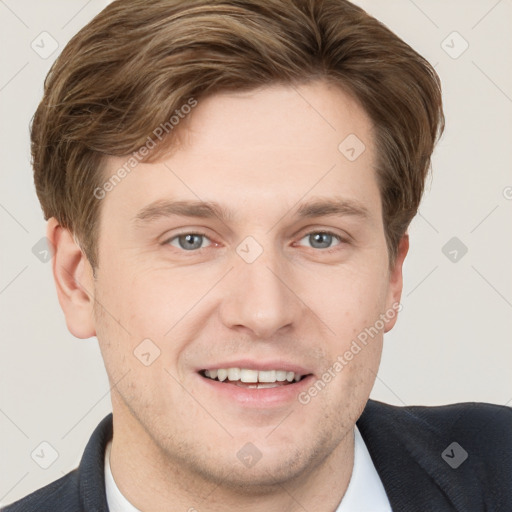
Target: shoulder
(469,419)
(459,452)
(60,495)
(480,431)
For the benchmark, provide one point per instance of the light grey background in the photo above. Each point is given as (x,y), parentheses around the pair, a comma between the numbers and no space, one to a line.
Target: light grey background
(452,341)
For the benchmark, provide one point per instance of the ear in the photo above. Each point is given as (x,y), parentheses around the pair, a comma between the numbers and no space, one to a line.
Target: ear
(74,280)
(396,284)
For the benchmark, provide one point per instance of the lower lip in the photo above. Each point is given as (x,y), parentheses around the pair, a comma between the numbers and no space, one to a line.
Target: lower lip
(254,397)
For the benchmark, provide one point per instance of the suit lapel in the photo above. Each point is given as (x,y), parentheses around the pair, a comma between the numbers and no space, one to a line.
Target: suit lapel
(406,451)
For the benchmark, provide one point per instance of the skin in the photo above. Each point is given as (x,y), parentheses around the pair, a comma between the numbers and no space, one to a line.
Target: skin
(261,155)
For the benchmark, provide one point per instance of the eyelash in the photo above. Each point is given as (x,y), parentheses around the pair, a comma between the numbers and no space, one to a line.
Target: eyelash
(323,232)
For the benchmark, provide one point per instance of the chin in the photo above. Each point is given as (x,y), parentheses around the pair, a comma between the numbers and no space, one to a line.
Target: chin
(266,476)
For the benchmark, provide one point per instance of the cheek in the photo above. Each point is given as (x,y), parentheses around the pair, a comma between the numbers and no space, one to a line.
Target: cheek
(349,300)
(146,301)
(146,318)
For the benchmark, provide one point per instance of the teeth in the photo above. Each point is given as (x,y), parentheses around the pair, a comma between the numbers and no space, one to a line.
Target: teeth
(280,375)
(249,375)
(261,386)
(234,374)
(268,377)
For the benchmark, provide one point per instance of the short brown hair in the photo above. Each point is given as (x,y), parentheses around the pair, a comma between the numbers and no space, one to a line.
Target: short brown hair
(136,62)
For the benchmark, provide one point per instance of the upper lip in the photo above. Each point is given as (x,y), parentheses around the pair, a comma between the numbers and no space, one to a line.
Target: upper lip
(250,364)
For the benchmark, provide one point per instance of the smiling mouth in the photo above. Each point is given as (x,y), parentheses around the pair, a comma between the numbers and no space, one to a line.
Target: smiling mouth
(253,379)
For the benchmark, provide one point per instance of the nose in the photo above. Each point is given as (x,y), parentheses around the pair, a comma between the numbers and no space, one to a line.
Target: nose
(259,298)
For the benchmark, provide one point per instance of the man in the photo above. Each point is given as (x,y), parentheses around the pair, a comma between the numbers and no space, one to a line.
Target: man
(228,186)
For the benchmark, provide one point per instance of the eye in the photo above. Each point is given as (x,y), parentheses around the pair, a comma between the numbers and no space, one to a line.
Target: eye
(191,242)
(322,239)
(188,241)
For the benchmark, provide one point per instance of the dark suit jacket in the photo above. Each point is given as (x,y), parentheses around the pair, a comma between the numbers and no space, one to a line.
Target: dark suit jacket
(411,447)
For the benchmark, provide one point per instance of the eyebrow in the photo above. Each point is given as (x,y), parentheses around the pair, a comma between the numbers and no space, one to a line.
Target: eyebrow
(210,209)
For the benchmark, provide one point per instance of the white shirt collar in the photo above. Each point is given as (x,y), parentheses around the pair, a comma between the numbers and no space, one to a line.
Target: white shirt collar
(365,492)
(115,500)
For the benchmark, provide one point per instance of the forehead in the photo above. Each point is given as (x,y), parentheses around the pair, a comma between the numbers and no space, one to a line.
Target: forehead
(282,123)
(266,149)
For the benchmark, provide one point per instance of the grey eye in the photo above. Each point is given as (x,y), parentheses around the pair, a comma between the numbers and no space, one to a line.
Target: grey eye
(188,241)
(321,240)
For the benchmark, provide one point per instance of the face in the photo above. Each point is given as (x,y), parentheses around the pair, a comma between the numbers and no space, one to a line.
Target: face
(274,276)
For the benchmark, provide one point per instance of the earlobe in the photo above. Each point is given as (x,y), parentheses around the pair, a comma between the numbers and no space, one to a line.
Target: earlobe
(73,277)
(396,283)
